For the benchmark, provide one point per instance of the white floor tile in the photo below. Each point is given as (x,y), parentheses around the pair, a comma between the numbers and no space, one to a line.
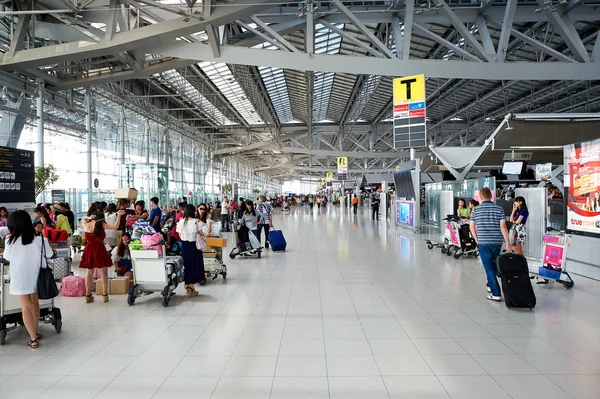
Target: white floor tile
(257,347)
(357,388)
(301,366)
(483,346)
(550,364)
(351,366)
(76,387)
(402,365)
(453,365)
(528,345)
(157,366)
(300,388)
(505,364)
(26,387)
(201,366)
(251,366)
(213,347)
(347,347)
(103,366)
(59,365)
(382,332)
(18,363)
(442,346)
(415,387)
(179,386)
(393,347)
(472,387)
(530,387)
(243,387)
(131,387)
(343,332)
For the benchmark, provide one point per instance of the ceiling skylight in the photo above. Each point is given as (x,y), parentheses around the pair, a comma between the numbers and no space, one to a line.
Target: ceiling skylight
(326,42)
(221,76)
(182,86)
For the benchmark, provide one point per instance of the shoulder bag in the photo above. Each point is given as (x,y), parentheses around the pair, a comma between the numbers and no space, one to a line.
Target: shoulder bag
(200,241)
(46,285)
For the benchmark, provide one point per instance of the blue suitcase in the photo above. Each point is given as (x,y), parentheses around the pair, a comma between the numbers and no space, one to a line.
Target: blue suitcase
(277,240)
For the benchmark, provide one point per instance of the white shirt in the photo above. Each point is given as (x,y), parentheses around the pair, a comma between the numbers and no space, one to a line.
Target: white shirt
(25,262)
(225,207)
(188,229)
(111,235)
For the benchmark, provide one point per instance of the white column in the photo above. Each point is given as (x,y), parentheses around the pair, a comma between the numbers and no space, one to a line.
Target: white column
(181,161)
(39,154)
(194,167)
(147,133)
(122,133)
(88,140)
(383,201)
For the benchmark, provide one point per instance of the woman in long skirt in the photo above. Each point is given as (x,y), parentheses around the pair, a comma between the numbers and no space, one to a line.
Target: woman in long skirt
(188,229)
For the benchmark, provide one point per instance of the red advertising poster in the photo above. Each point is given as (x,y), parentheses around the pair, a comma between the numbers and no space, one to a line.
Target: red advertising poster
(583,200)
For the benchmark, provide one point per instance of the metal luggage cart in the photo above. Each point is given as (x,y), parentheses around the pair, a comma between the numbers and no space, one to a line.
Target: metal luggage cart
(554,261)
(152,272)
(10,307)
(241,247)
(451,236)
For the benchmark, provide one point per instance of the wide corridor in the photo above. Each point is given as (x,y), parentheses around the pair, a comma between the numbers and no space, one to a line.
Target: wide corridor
(353,309)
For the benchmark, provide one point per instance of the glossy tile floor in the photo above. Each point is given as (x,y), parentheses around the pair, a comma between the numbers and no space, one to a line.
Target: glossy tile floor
(352,310)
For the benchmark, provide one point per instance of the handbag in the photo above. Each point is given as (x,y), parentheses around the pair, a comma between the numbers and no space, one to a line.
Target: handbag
(46,285)
(200,241)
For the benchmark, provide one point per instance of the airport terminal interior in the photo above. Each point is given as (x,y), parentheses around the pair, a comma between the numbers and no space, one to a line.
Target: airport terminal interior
(322,199)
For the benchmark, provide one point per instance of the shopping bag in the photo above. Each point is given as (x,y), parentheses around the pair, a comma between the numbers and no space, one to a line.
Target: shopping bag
(254,241)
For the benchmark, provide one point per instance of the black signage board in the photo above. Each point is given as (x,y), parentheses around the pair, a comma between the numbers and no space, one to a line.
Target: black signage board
(17,176)
(58,196)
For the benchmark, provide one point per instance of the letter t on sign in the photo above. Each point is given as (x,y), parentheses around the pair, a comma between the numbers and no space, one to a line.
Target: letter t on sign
(407,83)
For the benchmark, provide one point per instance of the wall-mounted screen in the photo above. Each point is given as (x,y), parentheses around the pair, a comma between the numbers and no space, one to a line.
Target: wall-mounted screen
(403,184)
(582,160)
(512,168)
(405,212)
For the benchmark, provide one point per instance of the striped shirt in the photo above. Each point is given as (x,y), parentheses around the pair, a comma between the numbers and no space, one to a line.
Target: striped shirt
(487,217)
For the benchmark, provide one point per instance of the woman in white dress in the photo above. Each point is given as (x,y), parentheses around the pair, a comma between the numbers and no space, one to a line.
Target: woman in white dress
(24,252)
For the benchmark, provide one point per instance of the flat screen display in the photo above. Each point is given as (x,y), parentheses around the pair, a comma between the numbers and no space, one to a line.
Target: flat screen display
(582,160)
(405,212)
(512,168)
(404,184)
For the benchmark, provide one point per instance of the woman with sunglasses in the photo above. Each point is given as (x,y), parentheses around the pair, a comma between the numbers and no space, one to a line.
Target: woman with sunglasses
(204,220)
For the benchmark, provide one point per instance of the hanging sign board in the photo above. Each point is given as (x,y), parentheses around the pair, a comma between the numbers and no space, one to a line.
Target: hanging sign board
(17,176)
(58,196)
(342,168)
(410,129)
(329,175)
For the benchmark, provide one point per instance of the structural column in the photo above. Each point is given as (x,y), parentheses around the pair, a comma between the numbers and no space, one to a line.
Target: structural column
(88,140)
(39,154)
(181,161)
(147,133)
(194,166)
(122,134)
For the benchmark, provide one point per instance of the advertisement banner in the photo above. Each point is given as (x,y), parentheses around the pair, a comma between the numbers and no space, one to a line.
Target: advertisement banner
(543,171)
(405,213)
(582,163)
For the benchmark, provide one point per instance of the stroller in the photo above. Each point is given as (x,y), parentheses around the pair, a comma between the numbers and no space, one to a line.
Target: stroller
(243,237)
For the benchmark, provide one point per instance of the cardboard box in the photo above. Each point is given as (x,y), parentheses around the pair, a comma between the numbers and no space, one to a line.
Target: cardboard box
(119,285)
(216,242)
(126,193)
(99,289)
(209,252)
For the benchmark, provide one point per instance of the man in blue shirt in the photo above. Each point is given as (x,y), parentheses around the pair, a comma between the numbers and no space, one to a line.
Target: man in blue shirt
(155,214)
(488,227)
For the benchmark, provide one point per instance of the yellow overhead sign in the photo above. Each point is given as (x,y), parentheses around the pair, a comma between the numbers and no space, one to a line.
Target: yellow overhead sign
(409,89)
(342,161)
(329,175)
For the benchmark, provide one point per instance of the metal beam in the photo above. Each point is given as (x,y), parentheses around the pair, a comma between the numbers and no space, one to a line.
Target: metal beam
(398,38)
(596,51)
(273,34)
(213,40)
(352,39)
(567,32)
(111,23)
(462,30)
(263,35)
(258,145)
(507,24)
(16,42)
(486,38)
(357,154)
(408,25)
(447,44)
(146,37)
(534,43)
(363,29)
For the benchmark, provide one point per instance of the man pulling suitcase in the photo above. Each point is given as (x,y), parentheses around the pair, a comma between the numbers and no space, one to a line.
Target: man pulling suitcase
(488,227)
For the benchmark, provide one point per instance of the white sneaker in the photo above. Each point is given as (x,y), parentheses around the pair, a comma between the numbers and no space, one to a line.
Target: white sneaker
(493,298)
(489,289)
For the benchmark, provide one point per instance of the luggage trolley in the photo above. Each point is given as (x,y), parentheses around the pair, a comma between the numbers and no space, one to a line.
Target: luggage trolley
(242,241)
(554,265)
(10,307)
(154,272)
(452,243)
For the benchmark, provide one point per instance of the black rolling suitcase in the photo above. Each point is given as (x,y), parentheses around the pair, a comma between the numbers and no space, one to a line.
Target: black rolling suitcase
(516,284)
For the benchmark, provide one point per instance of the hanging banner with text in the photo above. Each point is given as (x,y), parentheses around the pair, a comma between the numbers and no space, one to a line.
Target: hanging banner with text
(342,168)
(410,129)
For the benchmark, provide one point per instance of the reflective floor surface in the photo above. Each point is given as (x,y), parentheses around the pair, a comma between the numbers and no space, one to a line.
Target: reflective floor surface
(353,309)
